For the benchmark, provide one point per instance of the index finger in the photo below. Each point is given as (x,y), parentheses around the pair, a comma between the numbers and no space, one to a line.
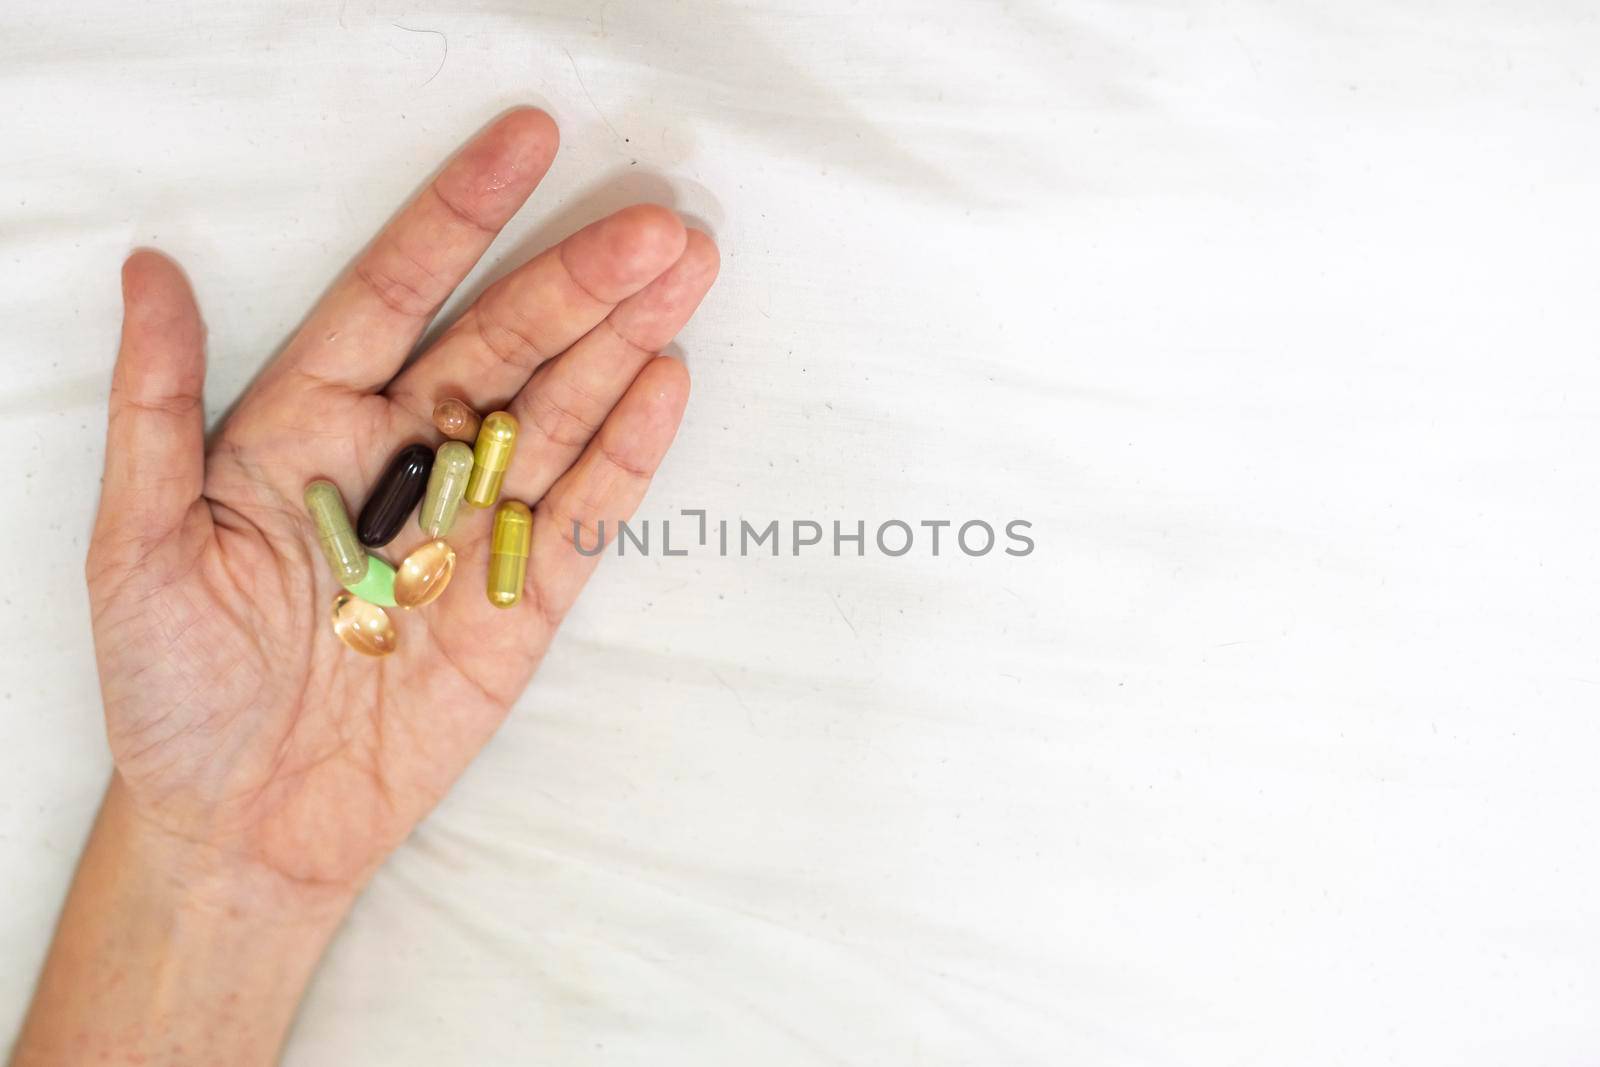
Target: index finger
(362,331)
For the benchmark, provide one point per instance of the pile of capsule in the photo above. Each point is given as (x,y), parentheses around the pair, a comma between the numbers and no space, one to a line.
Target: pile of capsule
(440,481)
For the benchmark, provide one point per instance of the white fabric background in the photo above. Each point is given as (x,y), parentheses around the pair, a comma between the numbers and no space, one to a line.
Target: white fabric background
(1277,320)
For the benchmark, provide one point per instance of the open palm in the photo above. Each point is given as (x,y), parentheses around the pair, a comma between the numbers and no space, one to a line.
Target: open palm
(236,717)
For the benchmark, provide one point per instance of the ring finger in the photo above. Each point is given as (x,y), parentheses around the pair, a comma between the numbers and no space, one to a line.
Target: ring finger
(568,398)
(533,314)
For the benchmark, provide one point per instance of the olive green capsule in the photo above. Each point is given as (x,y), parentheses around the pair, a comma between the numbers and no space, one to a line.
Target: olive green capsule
(508,552)
(346,557)
(447,482)
(497,439)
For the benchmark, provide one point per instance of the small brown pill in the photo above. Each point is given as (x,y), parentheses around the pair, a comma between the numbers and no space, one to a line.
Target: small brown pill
(456,420)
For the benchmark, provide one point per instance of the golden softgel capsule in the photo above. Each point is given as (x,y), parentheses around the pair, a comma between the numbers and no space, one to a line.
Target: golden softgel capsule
(362,626)
(447,484)
(456,420)
(497,439)
(508,552)
(346,557)
(423,575)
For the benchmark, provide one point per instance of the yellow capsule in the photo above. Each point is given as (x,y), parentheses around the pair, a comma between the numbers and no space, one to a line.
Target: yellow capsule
(339,543)
(508,552)
(497,438)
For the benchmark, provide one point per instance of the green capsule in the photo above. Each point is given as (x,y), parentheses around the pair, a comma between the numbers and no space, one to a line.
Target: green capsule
(378,585)
(447,483)
(346,558)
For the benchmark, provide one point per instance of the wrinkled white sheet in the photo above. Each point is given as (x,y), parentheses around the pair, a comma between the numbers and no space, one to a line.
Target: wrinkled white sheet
(1277,321)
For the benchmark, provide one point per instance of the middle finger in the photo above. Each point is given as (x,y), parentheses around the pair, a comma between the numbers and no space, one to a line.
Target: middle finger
(536,311)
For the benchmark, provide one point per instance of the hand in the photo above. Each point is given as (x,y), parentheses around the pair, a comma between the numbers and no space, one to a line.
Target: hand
(263,769)
(235,716)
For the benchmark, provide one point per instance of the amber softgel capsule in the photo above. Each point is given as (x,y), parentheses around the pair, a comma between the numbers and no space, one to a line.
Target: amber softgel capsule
(508,552)
(363,627)
(497,439)
(423,575)
(447,484)
(453,418)
(346,558)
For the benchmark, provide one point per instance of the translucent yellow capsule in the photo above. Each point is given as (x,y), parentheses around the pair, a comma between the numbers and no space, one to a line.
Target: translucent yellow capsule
(455,419)
(497,438)
(508,552)
(447,482)
(345,555)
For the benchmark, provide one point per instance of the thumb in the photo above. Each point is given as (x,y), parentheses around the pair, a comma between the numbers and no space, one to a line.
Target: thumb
(155,434)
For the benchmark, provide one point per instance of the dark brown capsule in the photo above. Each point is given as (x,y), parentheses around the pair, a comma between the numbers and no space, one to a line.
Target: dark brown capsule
(395,496)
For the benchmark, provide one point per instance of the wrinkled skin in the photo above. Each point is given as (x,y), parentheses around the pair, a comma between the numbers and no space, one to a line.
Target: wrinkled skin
(236,717)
